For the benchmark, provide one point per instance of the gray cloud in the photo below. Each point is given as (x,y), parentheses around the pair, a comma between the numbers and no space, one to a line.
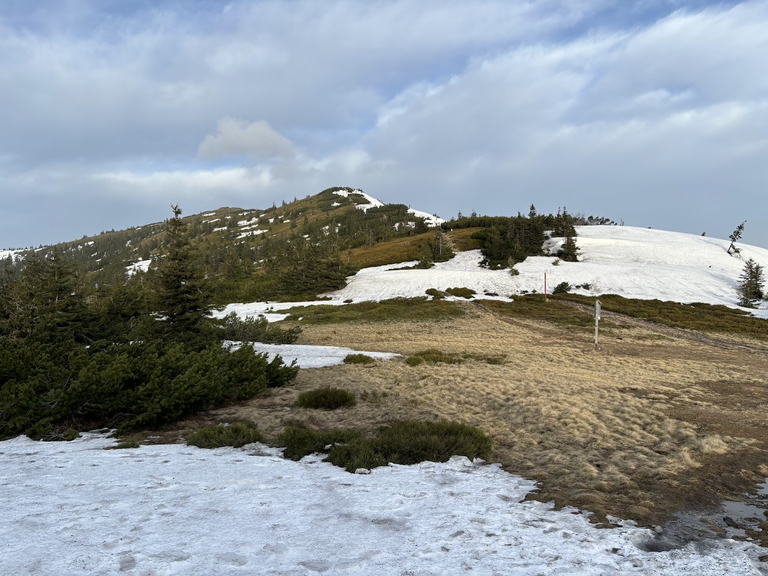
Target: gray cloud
(448,106)
(238,138)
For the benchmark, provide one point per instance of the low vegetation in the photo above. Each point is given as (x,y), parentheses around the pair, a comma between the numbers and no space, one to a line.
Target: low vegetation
(327,398)
(257,330)
(534,307)
(395,309)
(461,292)
(236,435)
(434,356)
(358,359)
(435,293)
(404,442)
(698,316)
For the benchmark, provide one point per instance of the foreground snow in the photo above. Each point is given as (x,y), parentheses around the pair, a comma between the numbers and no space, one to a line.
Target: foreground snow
(75,508)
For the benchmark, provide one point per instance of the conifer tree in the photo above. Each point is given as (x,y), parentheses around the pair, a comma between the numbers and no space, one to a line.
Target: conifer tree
(735,236)
(569,251)
(180,297)
(751,284)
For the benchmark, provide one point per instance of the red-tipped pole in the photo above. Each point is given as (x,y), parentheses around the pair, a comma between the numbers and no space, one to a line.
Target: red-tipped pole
(545,286)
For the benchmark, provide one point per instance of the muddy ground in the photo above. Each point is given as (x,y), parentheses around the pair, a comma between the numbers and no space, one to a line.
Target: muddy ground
(655,422)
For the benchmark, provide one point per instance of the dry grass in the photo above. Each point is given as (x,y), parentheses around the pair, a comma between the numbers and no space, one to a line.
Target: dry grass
(461,239)
(389,252)
(406,249)
(639,429)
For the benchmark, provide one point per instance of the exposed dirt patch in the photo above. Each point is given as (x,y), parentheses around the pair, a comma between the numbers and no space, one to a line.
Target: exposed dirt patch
(651,424)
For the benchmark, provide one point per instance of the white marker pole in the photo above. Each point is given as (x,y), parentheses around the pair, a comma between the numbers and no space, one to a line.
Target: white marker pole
(598,308)
(545,286)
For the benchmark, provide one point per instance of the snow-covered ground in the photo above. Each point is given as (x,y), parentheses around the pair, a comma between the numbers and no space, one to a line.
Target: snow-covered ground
(429,219)
(391,281)
(12,254)
(270,310)
(632,262)
(76,509)
(311,356)
(140,266)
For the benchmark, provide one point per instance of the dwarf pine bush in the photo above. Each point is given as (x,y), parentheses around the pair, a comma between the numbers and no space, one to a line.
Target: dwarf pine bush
(236,435)
(461,292)
(404,442)
(326,398)
(257,330)
(358,359)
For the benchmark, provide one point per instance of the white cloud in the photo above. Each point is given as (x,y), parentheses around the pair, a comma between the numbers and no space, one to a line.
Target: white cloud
(238,138)
(445,105)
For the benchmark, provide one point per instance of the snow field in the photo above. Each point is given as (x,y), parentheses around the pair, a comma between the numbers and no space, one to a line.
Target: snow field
(74,508)
(631,262)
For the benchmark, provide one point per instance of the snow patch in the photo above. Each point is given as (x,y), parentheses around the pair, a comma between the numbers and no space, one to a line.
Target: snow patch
(140,266)
(429,219)
(76,508)
(372,202)
(310,356)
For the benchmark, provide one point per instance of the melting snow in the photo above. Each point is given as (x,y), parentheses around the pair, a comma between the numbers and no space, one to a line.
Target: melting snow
(372,202)
(251,233)
(140,266)
(12,254)
(271,311)
(311,356)
(75,508)
(429,219)
(631,262)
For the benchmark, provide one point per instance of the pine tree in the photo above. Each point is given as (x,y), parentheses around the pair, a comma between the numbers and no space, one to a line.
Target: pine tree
(751,284)
(569,251)
(180,297)
(735,236)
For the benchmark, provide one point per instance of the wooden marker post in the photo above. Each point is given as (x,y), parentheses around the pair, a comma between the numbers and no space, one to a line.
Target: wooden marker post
(598,309)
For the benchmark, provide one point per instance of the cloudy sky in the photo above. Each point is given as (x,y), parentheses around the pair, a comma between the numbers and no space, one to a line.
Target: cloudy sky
(652,112)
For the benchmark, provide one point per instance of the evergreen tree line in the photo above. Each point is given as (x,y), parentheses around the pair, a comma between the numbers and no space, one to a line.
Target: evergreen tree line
(128,355)
(507,240)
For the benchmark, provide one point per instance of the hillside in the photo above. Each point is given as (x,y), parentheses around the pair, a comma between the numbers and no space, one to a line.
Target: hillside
(631,262)
(444,324)
(253,252)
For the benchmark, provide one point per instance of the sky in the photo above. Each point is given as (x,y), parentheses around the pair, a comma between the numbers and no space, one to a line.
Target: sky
(652,113)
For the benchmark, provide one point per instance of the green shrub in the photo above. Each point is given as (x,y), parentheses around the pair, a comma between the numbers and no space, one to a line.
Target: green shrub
(300,441)
(129,386)
(257,330)
(562,288)
(432,356)
(401,443)
(461,292)
(435,293)
(325,399)
(358,359)
(392,310)
(235,435)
